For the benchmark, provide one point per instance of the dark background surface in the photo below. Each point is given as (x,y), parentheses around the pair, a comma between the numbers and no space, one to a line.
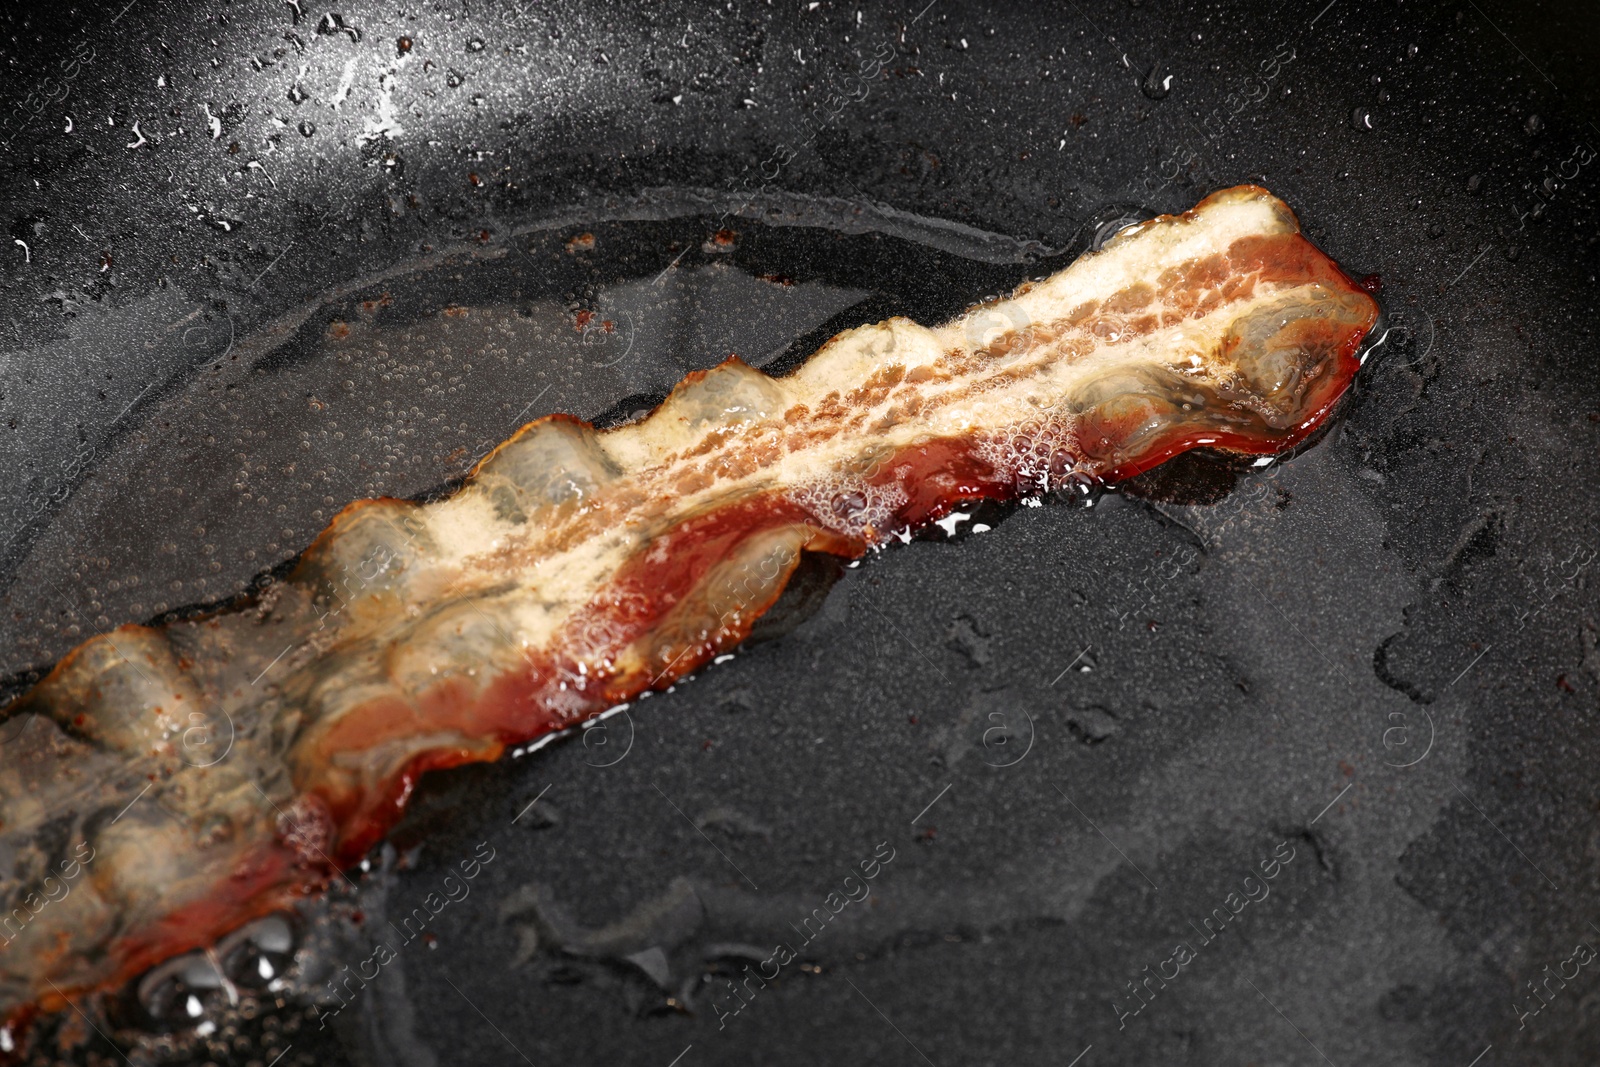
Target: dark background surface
(1383,652)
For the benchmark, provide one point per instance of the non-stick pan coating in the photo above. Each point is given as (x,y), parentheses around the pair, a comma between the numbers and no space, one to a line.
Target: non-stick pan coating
(1380,657)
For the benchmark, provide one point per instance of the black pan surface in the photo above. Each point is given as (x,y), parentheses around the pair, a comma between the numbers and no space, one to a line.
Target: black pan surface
(266,259)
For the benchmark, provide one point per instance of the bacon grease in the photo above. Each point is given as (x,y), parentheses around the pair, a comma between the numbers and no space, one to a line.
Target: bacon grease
(576,569)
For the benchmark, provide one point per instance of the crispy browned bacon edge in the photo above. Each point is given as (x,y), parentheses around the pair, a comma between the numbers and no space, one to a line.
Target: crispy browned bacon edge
(576,568)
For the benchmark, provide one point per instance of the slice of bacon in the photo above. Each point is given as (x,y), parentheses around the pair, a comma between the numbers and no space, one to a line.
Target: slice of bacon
(195,775)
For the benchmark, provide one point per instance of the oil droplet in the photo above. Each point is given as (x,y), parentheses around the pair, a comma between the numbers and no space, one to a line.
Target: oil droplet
(333,23)
(308,128)
(1361,119)
(1157,83)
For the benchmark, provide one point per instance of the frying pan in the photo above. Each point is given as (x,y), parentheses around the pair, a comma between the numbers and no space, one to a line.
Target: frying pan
(266,259)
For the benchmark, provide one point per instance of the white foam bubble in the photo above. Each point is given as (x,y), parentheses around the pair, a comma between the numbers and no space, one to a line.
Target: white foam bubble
(851,506)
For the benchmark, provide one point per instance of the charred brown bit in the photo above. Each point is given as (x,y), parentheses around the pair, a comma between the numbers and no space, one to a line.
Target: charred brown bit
(194,775)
